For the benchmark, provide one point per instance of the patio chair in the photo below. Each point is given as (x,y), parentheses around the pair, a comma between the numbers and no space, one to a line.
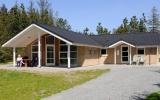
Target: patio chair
(141,60)
(134,62)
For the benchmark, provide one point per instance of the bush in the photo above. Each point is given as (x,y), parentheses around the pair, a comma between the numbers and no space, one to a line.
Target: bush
(153,96)
(5,55)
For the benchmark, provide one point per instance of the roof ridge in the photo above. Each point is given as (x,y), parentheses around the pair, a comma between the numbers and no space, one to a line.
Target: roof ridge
(138,33)
(57,28)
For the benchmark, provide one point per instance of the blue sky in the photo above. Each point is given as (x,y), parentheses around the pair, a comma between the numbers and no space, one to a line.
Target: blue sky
(87,13)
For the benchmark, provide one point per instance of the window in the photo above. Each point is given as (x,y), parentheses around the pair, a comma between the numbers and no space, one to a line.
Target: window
(34,50)
(125,54)
(103,51)
(141,51)
(49,50)
(63,54)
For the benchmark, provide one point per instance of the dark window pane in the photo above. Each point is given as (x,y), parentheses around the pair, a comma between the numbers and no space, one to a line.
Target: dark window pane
(50,55)
(103,51)
(124,58)
(124,48)
(34,55)
(50,60)
(73,48)
(49,40)
(124,53)
(50,48)
(73,54)
(73,61)
(34,48)
(63,48)
(63,55)
(63,61)
(141,51)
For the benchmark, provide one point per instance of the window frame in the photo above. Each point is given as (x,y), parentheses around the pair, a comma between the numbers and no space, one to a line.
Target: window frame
(141,49)
(46,45)
(103,54)
(66,52)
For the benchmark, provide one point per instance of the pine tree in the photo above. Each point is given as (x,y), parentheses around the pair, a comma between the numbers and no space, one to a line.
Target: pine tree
(24,20)
(125,25)
(86,31)
(102,30)
(32,13)
(134,24)
(63,23)
(153,21)
(120,29)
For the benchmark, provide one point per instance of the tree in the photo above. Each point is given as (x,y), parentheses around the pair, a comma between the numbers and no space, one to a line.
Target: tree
(125,25)
(32,13)
(134,24)
(24,20)
(99,28)
(45,12)
(153,21)
(102,30)
(63,23)
(142,24)
(14,20)
(120,29)
(86,31)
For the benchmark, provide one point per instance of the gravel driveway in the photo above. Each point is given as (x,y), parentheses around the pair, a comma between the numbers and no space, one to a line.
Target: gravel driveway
(122,83)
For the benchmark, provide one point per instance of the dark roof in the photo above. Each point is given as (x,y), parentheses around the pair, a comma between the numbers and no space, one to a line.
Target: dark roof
(135,38)
(71,36)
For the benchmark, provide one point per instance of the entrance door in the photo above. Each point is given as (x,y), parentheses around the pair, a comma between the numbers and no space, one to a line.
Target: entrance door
(50,55)
(125,54)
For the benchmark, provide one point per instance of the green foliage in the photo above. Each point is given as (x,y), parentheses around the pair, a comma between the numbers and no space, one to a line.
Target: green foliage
(14,20)
(154,21)
(27,86)
(86,31)
(134,25)
(102,30)
(153,96)
(63,23)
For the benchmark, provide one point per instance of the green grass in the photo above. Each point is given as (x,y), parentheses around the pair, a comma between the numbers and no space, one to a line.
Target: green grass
(153,96)
(32,86)
(5,63)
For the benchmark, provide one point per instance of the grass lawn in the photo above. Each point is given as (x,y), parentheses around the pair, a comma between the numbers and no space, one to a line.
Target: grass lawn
(6,63)
(30,86)
(154,96)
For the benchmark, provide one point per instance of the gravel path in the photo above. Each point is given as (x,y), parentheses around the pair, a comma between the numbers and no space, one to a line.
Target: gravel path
(122,83)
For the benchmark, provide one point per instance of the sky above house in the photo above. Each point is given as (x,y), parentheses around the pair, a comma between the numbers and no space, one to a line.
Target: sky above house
(87,13)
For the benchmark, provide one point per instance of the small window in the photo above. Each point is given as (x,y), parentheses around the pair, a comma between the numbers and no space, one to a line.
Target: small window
(141,51)
(103,51)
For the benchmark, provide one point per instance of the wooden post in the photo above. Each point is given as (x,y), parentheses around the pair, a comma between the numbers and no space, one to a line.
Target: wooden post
(39,50)
(14,56)
(68,56)
(130,55)
(115,56)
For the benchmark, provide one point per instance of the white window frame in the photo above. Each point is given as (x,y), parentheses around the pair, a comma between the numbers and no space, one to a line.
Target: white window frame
(60,58)
(124,56)
(32,47)
(49,64)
